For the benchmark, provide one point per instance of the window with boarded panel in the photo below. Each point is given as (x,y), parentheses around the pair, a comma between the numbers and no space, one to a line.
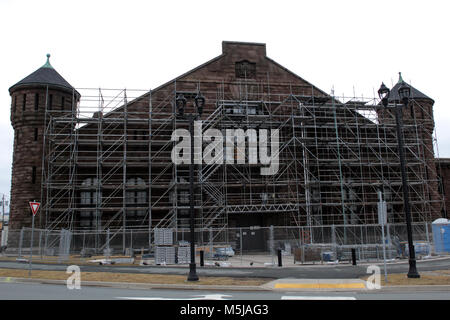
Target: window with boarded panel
(245,69)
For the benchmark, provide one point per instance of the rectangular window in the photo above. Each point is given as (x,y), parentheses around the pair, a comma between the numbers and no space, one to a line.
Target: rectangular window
(245,69)
(35,134)
(141,197)
(85,222)
(183,197)
(50,102)
(24,102)
(36,102)
(86,197)
(238,109)
(129,198)
(15,104)
(62,104)
(33,175)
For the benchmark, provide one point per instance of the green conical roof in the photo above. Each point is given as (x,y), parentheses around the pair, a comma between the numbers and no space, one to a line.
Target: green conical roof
(45,75)
(415,94)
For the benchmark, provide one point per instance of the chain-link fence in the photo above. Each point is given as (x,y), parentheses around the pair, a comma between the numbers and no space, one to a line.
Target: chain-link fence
(258,244)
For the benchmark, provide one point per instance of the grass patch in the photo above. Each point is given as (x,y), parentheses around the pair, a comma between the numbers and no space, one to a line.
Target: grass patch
(133,278)
(75,259)
(439,277)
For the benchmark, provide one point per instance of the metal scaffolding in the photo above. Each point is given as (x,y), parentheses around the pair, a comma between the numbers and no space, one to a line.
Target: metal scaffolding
(107,160)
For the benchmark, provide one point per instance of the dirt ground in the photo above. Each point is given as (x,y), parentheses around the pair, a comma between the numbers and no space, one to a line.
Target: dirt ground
(439,277)
(133,278)
(75,259)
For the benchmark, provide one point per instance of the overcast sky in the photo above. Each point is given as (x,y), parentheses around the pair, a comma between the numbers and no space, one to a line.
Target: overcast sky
(350,45)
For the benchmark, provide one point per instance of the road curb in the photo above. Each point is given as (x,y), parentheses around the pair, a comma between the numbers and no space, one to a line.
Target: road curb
(264,287)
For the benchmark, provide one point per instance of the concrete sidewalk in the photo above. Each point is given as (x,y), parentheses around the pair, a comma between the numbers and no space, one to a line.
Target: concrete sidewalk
(316,284)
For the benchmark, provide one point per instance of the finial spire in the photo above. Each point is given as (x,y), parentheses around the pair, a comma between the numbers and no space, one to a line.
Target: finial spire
(47,64)
(400,79)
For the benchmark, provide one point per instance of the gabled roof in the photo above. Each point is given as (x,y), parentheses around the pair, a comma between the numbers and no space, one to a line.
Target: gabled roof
(45,75)
(226,48)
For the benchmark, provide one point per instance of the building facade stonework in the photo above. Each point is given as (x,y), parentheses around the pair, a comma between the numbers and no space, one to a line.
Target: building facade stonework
(102,160)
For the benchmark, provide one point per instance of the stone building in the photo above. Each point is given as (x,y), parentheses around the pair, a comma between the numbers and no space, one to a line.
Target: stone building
(102,159)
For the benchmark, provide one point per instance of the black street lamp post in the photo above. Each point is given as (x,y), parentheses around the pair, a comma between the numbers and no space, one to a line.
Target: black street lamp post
(404,93)
(181,104)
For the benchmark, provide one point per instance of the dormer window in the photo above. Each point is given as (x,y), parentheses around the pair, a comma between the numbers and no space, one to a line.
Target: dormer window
(245,69)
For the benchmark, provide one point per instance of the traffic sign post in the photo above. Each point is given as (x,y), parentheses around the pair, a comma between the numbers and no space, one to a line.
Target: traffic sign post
(34,209)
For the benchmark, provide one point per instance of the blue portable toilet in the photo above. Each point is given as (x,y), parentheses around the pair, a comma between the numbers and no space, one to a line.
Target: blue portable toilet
(441,235)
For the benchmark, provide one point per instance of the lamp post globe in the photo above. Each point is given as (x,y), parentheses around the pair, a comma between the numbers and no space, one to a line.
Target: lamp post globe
(180,104)
(199,103)
(383,93)
(404,93)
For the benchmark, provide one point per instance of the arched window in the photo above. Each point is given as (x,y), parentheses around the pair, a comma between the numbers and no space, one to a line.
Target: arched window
(90,199)
(136,197)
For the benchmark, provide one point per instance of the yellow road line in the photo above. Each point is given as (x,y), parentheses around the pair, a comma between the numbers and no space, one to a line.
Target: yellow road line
(320,286)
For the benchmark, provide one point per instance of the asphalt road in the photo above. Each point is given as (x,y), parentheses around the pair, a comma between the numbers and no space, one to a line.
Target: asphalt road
(340,271)
(33,291)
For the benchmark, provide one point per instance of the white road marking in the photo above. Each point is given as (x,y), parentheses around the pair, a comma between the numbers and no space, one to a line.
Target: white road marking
(198,297)
(212,297)
(316,298)
(145,298)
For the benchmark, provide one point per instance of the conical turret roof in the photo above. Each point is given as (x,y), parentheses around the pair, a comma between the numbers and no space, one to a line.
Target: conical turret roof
(415,94)
(45,75)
